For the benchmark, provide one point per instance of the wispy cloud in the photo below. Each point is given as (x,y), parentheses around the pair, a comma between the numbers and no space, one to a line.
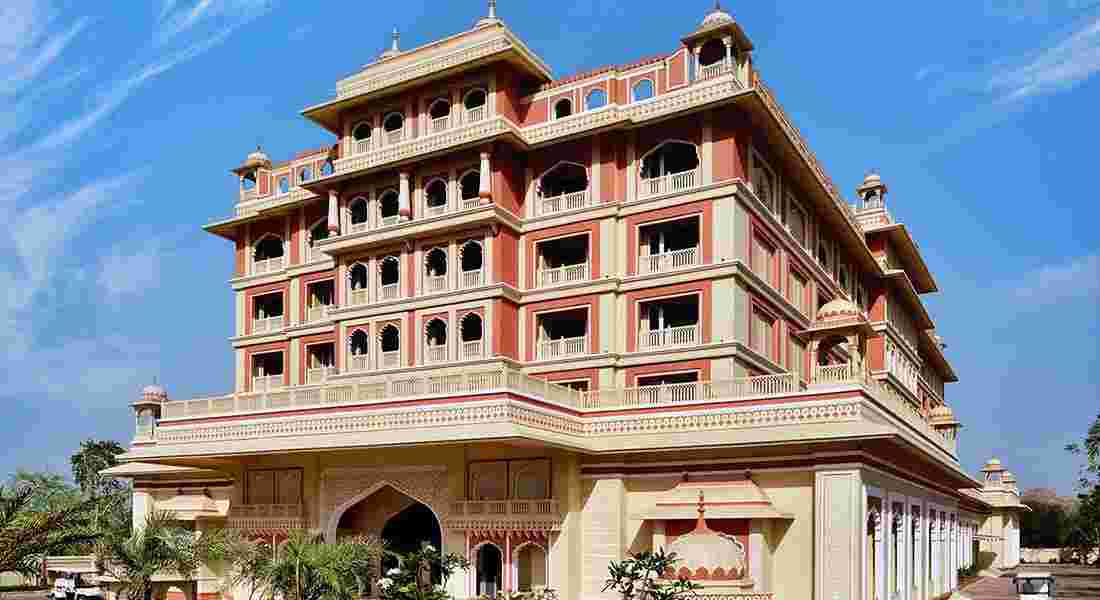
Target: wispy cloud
(131,271)
(1074,279)
(176,19)
(1059,67)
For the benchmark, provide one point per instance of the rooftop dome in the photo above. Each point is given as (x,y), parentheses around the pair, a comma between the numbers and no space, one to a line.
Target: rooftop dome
(872,178)
(943,412)
(716,17)
(154,393)
(1009,477)
(838,309)
(257,158)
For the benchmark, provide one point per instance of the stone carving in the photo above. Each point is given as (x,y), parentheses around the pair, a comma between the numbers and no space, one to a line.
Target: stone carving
(708,554)
(343,487)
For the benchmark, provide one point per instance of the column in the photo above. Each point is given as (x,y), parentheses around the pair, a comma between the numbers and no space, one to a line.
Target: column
(403,208)
(838,528)
(506,574)
(333,213)
(484,189)
(756,554)
(728,41)
(695,62)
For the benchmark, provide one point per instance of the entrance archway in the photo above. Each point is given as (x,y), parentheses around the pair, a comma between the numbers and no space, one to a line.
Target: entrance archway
(489,568)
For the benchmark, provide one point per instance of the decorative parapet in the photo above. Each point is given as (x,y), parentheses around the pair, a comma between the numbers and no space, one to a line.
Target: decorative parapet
(266,517)
(256,206)
(505,515)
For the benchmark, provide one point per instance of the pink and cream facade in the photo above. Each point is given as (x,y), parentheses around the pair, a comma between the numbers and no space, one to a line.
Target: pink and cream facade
(551,322)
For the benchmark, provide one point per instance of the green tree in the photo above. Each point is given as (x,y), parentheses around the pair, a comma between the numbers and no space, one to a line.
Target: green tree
(160,546)
(50,491)
(29,532)
(1090,449)
(411,579)
(88,464)
(1085,535)
(640,577)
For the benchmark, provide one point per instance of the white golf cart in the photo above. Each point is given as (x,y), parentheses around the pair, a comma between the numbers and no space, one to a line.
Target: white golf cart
(76,586)
(1031,585)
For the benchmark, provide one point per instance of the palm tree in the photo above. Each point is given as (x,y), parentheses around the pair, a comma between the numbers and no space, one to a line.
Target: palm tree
(134,558)
(27,535)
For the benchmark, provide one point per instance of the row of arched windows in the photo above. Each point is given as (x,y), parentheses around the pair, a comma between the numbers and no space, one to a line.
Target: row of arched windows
(394,123)
(597,98)
(471,330)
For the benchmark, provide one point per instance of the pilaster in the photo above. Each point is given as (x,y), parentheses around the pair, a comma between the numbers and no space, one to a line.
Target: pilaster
(838,506)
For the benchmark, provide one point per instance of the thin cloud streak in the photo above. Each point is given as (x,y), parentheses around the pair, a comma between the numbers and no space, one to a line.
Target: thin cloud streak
(1050,284)
(1059,67)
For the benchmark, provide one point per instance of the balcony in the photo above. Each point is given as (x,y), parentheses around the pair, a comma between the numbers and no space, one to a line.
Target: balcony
(358,297)
(320,374)
(439,124)
(472,350)
(711,71)
(562,275)
(390,220)
(389,291)
(433,284)
(509,508)
(266,383)
(314,254)
(550,349)
(668,261)
(390,359)
(472,279)
(435,354)
(269,265)
(672,183)
(563,202)
(475,114)
(670,337)
(267,325)
(318,313)
(266,516)
(395,137)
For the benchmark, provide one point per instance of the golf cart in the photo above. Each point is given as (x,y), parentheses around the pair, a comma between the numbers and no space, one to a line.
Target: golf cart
(1031,585)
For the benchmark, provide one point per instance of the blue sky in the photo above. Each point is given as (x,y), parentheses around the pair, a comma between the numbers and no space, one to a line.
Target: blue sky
(118,127)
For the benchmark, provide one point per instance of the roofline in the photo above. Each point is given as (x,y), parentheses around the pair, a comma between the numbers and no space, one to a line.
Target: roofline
(900,233)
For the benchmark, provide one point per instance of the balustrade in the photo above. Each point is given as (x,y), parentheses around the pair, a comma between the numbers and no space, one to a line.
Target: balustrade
(668,261)
(439,124)
(505,507)
(548,349)
(563,202)
(472,279)
(435,211)
(390,291)
(391,220)
(435,283)
(319,374)
(391,360)
(362,146)
(266,383)
(713,70)
(668,184)
(471,349)
(360,362)
(359,296)
(269,265)
(435,354)
(318,312)
(395,137)
(471,203)
(564,274)
(267,325)
(475,114)
(685,335)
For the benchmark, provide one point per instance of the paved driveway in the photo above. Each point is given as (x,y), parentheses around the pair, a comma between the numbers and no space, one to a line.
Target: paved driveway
(1072,582)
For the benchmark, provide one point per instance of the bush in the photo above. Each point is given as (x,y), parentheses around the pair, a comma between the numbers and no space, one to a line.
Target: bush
(411,579)
(640,577)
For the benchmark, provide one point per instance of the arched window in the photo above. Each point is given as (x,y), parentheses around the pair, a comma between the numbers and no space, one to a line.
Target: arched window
(531,571)
(389,341)
(388,207)
(470,186)
(471,331)
(435,338)
(393,125)
(361,135)
(359,348)
(358,214)
(389,276)
(248,181)
(713,52)
(596,99)
(474,103)
(563,179)
(471,258)
(268,247)
(439,114)
(488,568)
(317,232)
(305,174)
(642,90)
(284,184)
(358,280)
(662,168)
(327,168)
(563,108)
(435,197)
(435,270)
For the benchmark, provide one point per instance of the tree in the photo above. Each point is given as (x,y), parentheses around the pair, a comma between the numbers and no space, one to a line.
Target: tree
(1050,520)
(411,579)
(134,557)
(1090,449)
(1085,535)
(28,533)
(88,464)
(640,577)
(50,490)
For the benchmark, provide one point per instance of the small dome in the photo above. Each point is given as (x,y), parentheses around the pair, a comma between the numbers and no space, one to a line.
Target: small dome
(943,413)
(995,462)
(716,17)
(258,158)
(1009,477)
(154,393)
(838,309)
(872,178)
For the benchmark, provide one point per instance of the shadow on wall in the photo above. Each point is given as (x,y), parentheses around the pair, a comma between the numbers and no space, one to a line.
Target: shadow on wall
(985,560)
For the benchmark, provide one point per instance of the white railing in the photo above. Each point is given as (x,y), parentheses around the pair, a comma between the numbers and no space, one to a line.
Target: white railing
(359,297)
(266,383)
(563,202)
(712,71)
(395,137)
(390,291)
(435,211)
(668,184)
(358,227)
(565,274)
(435,354)
(470,203)
(439,124)
(318,312)
(513,507)
(668,261)
(472,279)
(562,347)
(391,359)
(475,114)
(471,349)
(319,374)
(833,374)
(269,265)
(685,335)
(391,220)
(696,391)
(267,325)
(359,362)
(435,283)
(362,146)
(247,195)
(314,254)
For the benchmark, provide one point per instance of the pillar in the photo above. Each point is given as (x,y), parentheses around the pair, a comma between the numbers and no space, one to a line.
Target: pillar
(728,41)
(756,554)
(333,213)
(484,188)
(695,62)
(403,197)
(838,529)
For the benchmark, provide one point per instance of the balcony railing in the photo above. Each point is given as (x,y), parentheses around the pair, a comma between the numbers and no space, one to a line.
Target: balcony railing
(471,349)
(668,184)
(472,279)
(475,114)
(318,312)
(359,362)
(268,265)
(362,146)
(668,261)
(713,70)
(395,137)
(435,354)
(358,227)
(265,511)
(266,383)
(565,274)
(435,211)
(439,124)
(319,374)
(389,291)
(314,254)
(391,220)
(267,325)
(512,507)
(435,283)
(391,359)
(685,335)
(562,347)
(471,203)
(695,391)
(563,202)
(359,297)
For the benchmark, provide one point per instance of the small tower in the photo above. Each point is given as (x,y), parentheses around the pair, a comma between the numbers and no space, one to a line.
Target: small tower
(395,46)
(871,201)
(994,473)
(943,420)
(719,47)
(147,410)
(489,19)
(255,175)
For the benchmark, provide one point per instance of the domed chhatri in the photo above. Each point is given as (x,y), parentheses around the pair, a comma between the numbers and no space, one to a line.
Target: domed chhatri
(716,17)
(257,158)
(839,309)
(154,393)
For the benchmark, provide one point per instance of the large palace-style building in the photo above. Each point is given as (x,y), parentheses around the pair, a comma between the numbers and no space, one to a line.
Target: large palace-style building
(551,322)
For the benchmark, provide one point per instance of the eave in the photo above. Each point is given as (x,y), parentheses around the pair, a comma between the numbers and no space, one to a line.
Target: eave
(919,273)
(901,283)
(932,351)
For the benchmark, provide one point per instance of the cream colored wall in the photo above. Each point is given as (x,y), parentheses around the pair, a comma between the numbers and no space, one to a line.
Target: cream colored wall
(789,544)
(601,533)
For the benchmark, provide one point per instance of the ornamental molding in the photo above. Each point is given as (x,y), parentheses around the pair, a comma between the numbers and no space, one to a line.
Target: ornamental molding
(344,487)
(504,525)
